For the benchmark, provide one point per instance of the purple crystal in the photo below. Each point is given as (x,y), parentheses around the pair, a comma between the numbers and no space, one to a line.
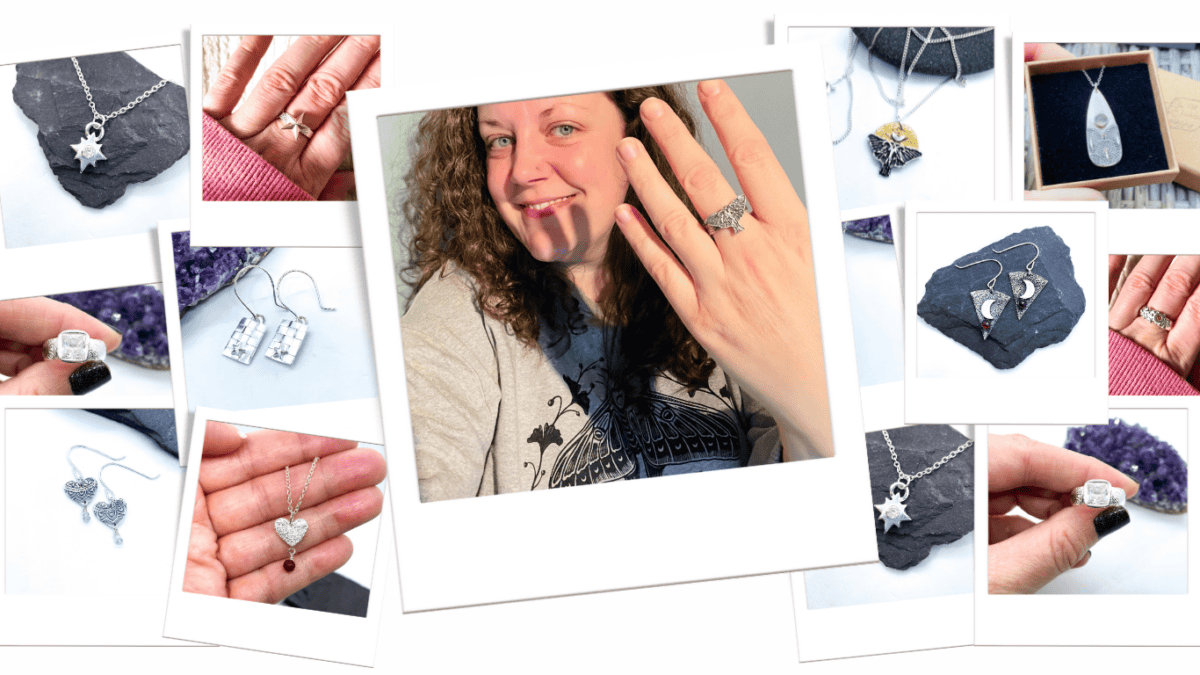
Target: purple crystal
(877,228)
(1159,470)
(136,312)
(202,271)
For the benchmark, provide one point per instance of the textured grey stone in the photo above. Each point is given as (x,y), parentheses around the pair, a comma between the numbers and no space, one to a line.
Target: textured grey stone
(139,145)
(940,504)
(946,304)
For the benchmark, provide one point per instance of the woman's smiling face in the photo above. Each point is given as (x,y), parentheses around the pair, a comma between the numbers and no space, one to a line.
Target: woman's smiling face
(553,173)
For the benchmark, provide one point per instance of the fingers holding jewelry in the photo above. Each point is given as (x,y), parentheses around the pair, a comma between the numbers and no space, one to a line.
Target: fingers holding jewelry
(1020,462)
(226,90)
(1177,284)
(271,584)
(246,550)
(266,452)
(1136,291)
(265,498)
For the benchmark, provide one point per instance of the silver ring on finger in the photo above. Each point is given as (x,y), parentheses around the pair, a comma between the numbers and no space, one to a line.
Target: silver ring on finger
(295,124)
(1155,317)
(728,217)
(1098,494)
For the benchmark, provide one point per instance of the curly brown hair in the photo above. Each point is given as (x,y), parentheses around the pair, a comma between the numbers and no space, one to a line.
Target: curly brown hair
(455,220)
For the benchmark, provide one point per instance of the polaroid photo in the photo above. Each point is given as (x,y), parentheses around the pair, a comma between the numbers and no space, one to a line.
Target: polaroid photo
(1143,560)
(933,580)
(1149,91)
(439,572)
(1005,297)
(76,212)
(87,517)
(256,169)
(951,142)
(263,327)
(311,559)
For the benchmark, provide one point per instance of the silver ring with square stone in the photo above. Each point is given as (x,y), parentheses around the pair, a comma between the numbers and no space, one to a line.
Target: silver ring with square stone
(1098,494)
(74,346)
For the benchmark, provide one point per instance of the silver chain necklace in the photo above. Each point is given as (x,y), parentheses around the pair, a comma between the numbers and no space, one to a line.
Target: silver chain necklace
(1103,135)
(892,510)
(292,529)
(894,144)
(87,151)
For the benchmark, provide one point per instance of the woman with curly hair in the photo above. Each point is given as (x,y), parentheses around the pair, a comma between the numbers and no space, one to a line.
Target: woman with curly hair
(545,347)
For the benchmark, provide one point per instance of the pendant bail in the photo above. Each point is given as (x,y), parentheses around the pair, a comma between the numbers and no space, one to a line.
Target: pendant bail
(903,485)
(97,125)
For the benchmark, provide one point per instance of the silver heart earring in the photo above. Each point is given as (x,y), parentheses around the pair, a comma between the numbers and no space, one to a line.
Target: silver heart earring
(1026,286)
(989,304)
(291,332)
(246,337)
(81,490)
(112,512)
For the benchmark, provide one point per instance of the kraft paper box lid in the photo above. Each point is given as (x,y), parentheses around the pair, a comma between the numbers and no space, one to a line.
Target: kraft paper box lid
(1182,98)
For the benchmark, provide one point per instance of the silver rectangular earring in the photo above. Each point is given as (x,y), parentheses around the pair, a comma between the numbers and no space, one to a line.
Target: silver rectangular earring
(81,489)
(989,304)
(290,334)
(246,337)
(1026,286)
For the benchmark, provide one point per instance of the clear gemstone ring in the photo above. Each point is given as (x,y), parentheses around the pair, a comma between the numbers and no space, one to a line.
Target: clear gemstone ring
(1098,494)
(74,346)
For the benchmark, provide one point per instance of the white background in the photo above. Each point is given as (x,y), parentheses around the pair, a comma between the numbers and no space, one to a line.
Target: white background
(335,362)
(736,625)
(35,208)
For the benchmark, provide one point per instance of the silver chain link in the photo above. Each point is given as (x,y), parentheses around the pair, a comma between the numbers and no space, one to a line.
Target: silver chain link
(120,111)
(287,474)
(907,478)
(1099,77)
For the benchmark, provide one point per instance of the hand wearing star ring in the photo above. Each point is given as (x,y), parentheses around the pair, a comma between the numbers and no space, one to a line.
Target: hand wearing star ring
(295,124)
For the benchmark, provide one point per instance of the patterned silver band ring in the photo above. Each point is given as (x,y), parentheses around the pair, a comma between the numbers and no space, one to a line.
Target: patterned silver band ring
(729,216)
(74,346)
(1098,494)
(1155,317)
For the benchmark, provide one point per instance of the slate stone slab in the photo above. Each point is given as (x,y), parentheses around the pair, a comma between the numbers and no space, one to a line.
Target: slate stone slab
(139,144)
(940,504)
(1049,319)
(976,54)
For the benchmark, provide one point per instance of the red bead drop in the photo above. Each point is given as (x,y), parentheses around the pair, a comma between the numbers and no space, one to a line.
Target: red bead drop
(289,565)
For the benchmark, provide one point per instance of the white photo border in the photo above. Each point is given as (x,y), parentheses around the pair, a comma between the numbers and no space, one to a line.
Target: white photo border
(333,224)
(441,572)
(273,628)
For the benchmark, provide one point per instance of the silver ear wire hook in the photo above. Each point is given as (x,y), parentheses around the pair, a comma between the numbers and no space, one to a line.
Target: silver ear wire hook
(109,493)
(241,273)
(75,470)
(1029,267)
(991,284)
(280,303)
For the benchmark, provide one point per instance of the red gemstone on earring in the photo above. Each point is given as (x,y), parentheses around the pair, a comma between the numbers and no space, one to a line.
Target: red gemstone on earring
(986,325)
(289,565)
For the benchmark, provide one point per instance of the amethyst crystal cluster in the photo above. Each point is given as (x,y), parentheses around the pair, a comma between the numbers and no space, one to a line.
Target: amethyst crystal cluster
(137,313)
(1159,470)
(202,271)
(877,228)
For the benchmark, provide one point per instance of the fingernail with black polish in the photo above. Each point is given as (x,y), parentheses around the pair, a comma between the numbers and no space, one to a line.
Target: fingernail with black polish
(89,377)
(1110,520)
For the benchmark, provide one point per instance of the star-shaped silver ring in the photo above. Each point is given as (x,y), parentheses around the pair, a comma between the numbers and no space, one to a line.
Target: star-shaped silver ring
(296,124)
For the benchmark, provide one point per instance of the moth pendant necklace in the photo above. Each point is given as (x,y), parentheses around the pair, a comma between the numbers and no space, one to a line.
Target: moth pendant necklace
(292,529)
(893,509)
(895,144)
(87,151)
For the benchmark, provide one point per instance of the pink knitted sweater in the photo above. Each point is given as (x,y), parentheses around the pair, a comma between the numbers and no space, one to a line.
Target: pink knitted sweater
(1133,371)
(233,172)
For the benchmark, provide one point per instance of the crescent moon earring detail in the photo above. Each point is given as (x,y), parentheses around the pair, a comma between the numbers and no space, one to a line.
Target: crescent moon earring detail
(989,304)
(1026,286)
(81,489)
(291,332)
(243,344)
(112,512)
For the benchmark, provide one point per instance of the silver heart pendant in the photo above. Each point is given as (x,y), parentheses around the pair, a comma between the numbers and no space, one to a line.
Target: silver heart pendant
(291,533)
(110,513)
(81,492)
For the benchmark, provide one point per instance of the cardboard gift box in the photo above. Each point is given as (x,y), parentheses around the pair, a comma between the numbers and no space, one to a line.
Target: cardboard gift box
(1058,92)
(1182,97)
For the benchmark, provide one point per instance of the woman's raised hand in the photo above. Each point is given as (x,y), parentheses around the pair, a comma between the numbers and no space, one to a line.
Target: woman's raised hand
(749,298)
(311,77)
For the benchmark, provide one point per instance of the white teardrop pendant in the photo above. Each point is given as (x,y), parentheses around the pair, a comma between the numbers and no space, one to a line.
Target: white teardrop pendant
(1103,135)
